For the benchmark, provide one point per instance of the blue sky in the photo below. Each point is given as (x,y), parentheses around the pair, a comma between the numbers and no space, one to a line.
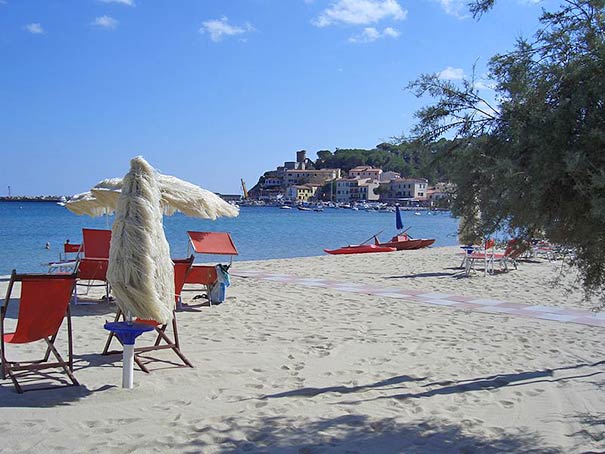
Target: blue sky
(217,90)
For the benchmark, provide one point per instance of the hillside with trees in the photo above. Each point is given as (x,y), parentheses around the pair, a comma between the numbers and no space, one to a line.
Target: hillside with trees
(410,159)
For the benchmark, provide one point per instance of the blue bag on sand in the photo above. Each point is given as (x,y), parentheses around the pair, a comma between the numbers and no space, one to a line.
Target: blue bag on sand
(219,289)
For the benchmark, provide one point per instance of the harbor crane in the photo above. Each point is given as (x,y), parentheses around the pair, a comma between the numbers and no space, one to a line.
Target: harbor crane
(244,188)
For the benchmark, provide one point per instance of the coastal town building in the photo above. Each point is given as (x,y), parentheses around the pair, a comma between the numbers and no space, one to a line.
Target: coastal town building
(301,193)
(294,177)
(414,189)
(356,190)
(365,172)
(440,192)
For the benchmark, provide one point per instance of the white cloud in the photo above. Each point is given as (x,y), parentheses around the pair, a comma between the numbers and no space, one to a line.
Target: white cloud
(484,84)
(391,32)
(360,12)
(122,2)
(105,22)
(217,29)
(456,8)
(450,73)
(34,28)
(370,34)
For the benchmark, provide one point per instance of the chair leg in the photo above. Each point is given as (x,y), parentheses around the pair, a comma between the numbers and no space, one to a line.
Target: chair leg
(111,334)
(70,341)
(177,346)
(174,345)
(3,364)
(14,380)
(64,364)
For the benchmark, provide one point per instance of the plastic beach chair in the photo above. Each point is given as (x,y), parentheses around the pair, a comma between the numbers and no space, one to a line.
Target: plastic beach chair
(491,258)
(213,243)
(43,304)
(162,341)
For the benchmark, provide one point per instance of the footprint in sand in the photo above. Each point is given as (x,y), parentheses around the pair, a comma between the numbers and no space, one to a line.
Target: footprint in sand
(507,403)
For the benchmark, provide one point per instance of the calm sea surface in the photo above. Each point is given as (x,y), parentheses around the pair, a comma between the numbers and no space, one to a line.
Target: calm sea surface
(259,232)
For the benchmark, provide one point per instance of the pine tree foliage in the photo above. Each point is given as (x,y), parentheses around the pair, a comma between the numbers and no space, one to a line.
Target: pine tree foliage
(533,160)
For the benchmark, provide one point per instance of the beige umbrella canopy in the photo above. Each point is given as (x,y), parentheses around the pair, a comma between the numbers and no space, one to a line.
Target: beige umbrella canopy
(175,195)
(86,203)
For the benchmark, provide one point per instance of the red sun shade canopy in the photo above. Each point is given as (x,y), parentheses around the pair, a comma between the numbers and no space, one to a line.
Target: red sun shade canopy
(212,243)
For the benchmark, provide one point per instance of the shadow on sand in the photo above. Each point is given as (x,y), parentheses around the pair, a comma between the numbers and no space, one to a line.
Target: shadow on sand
(493,382)
(389,383)
(358,434)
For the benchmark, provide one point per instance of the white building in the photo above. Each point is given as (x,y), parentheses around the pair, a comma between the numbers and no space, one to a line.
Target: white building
(298,177)
(365,172)
(356,189)
(408,188)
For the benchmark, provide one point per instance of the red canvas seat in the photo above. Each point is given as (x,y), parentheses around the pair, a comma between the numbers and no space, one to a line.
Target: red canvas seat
(43,304)
(219,243)
(162,341)
(92,267)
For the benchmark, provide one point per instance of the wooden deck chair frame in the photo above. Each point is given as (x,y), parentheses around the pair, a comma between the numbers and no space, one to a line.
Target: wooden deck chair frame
(34,324)
(162,342)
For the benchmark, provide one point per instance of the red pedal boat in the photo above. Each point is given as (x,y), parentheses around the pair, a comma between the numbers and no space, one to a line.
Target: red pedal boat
(360,249)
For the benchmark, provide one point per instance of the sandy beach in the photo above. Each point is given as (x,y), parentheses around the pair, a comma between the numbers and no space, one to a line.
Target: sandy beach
(295,367)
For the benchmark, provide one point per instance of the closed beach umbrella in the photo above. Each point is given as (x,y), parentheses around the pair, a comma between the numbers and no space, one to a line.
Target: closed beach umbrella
(398,221)
(139,252)
(140,269)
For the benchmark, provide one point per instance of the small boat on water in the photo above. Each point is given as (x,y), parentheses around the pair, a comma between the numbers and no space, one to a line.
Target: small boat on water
(302,208)
(360,249)
(405,243)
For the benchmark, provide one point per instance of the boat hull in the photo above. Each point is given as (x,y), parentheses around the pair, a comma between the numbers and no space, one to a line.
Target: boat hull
(360,249)
(427,242)
(404,243)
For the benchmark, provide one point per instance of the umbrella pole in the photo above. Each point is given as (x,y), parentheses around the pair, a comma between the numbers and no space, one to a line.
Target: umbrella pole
(128,360)
(127,332)
(128,366)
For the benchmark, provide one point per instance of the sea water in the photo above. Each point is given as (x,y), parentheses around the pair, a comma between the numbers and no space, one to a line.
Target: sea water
(258,232)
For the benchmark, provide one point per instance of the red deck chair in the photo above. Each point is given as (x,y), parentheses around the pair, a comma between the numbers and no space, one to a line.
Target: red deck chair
(162,342)
(44,303)
(92,267)
(215,243)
